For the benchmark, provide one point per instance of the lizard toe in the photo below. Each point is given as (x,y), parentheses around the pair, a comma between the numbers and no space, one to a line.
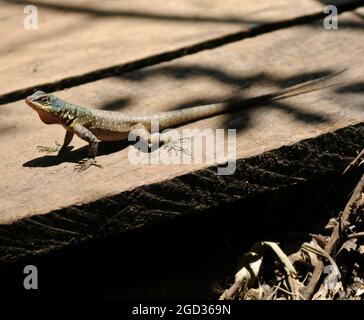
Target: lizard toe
(84,164)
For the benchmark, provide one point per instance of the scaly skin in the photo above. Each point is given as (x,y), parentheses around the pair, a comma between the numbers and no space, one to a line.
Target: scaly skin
(94,125)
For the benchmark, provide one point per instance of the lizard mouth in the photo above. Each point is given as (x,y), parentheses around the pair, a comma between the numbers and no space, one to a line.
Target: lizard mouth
(45,116)
(29,103)
(33,105)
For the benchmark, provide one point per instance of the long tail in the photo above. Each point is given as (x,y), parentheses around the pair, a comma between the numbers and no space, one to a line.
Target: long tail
(179,117)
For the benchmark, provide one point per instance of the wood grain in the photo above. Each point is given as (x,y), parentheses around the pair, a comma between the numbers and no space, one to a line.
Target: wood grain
(77,37)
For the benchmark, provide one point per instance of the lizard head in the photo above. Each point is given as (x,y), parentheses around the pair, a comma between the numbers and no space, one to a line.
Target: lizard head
(44,102)
(47,106)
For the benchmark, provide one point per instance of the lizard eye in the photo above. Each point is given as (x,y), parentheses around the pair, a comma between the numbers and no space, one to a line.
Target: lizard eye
(45,100)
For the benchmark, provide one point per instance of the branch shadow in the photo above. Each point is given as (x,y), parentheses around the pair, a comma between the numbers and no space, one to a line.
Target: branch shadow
(345,24)
(239,86)
(115,104)
(351,25)
(240,119)
(357,87)
(191,71)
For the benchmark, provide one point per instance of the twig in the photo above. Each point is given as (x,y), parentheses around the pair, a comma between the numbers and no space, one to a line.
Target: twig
(270,297)
(232,292)
(285,291)
(335,236)
(353,163)
(356,235)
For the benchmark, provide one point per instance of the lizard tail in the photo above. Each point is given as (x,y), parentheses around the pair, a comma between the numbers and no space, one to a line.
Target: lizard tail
(179,117)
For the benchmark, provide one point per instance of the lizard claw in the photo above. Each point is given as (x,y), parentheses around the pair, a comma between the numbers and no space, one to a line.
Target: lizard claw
(84,164)
(172,145)
(49,149)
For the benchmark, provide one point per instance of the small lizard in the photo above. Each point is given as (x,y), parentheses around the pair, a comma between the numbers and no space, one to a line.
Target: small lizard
(94,125)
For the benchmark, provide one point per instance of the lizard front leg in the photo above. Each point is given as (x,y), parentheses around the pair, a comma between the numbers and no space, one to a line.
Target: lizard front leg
(58,148)
(88,136)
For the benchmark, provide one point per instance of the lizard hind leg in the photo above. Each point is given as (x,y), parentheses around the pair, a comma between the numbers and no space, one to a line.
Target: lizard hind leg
(149,140)
(84,164)
(174,145)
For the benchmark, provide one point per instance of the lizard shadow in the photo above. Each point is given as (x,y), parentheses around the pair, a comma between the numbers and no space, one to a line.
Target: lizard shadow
(74,156)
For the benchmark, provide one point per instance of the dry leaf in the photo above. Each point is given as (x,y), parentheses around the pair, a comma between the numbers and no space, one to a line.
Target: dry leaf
(297,256)
(359,292)
(331,224)
(361,249)
(250,267)
(320,239)
(348,245)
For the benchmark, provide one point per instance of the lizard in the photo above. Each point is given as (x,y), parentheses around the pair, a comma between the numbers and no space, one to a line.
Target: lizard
(93,125)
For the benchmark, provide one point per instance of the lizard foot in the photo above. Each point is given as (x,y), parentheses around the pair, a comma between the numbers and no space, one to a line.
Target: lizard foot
(85,164)
(49,149)
(173,145)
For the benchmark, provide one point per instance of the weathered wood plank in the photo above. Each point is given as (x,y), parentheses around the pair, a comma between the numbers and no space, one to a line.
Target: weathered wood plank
(256,179)
(76,37)
(35,184)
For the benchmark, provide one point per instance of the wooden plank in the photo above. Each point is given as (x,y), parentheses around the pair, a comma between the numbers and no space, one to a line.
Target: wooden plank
(35,184)
(284,172)
(76,37)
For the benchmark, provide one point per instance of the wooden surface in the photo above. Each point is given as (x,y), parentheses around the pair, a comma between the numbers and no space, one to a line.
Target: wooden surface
(272,176)
(34,184)
(263,63)
(77,37)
